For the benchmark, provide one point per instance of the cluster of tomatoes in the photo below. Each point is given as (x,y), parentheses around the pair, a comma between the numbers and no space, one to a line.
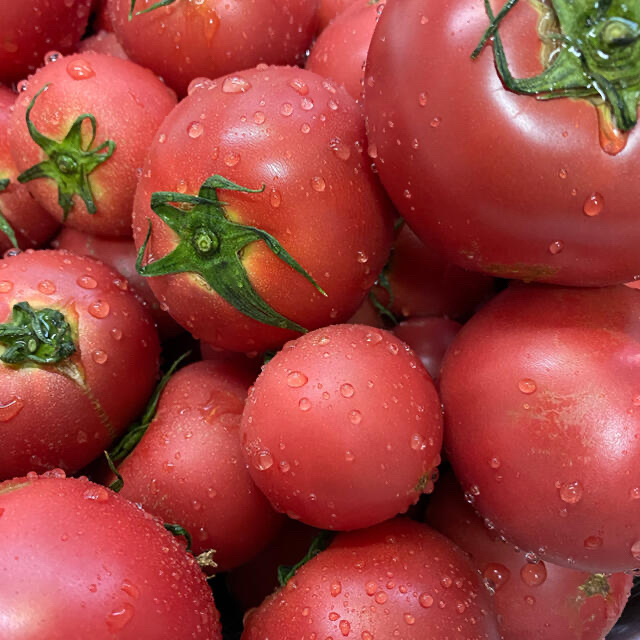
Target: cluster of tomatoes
(237,399)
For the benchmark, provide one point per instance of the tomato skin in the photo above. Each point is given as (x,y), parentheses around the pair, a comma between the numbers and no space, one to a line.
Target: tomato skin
(77,424)
(32,225)
(321,202)
(129,104)
(398,579)
(473,191)
(188,466)
(347,439)
(121,254)
(213,38)
(78,562)
(544,380)
(103,42)
(329,9)
(531,601)
(31,29)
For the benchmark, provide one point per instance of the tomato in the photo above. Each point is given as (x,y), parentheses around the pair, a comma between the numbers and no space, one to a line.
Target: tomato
(265,162)
(31,224)
(185,40)
(329,9)
(119,253)
(343,428)
(429,338)
(88,185)
(251,362)
(499,181)
(398,579)
(170,472)
(103,42)
(540,390)
(32,28)
(341,49)
(532,600)
(80,562)
(71,333)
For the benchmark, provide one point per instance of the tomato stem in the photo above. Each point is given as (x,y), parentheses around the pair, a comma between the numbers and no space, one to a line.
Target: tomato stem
(157,5)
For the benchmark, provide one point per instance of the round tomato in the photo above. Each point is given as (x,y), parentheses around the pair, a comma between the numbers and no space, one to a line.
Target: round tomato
(343,428)
(500,181)
(103,42)
(541,393)
(77,561)
(79,133)
(70,334)
(329,9)
(399,579)
(184,40)
(257,214)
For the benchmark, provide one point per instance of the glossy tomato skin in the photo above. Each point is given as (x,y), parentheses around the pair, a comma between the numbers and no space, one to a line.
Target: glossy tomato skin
(531,601)
(188,467)
(329,9)
(46,418)
(32,225)
(302,138)
(188,40)
(103,42)
(121,254)
(79,562)
(340,51)
(31,29)
(398,579)
(343,428)
(506,198)
(128,102)
(540,390)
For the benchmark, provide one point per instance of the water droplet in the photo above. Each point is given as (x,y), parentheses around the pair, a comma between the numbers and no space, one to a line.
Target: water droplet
(530,600)
(556,247)
(304,404)
(9,410)
(423,98)
(345,627)
(99,309)
(336,589)
(99,356)
(533,575)
(116,333)
(494,463)
(593,205)
(593,542)
(87,282)
(80,70)
(286,109)
(571,492)
(259,117)
(299,86)
(526,385)
(347,390)
(195,129)
(634,493)
(51,56)
(263,461)
(418,442)
(436,122)
(318,183)
(563,173)
(409,619)
(119,618)
(47,287)
(496,574)
(380,597)
(297,379)
(97,493)
(349,457)
(235,84)
(306,104)
(341,150)
(305,128)
(372,151)
(275,198)
(425,600)
(635,550)
(355,417)
(5,286)
(130,589)
(232,159)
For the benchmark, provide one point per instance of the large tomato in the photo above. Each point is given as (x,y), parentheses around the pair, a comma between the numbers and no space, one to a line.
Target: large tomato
(77,562)
(502,182)
(541,396)
(244,170)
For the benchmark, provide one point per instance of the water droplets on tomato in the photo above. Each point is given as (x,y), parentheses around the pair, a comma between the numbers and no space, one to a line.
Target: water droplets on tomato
(235,84)
(556,247)
(318,184)
(99,309)
(80,70)
(571,492)
(87,282)
(195,129)
(263,461)
(496,574)
(119,618)
(304,404)
(533,575)
(10,409)
(593,205)
(527,386)
(347,390)
(296,379)
(47,287)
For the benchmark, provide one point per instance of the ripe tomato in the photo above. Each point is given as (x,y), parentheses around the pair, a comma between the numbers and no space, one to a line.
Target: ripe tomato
(77,561)
(170,471)
(103,42)
(499,181)
(31,224)
(184,40)
(540,390)
(343,428)
(32,28)
(71,334)
(329,9)
(58,159)
(291,144)
(399,579)
(532,600)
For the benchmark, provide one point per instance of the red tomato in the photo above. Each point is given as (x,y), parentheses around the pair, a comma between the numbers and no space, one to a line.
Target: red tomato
(501,182)
(329,9)
(210,38)
(251,361)
(170,472)
(77,561)
(293,134)
(119,253)
(128,104)
(341,49)
(540,391)
(532,600)
(69,390)
(343,428)
(32,225)
(31,28)
(103,42)
(398,579)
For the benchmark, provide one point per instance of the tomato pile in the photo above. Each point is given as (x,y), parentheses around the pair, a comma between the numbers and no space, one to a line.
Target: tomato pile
(319,319)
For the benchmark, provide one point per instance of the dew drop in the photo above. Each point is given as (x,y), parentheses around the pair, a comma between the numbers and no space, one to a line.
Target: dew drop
(286,109)
(80,70)
(195,129)
(99,356)
(318,183)
(563,173)
(235,84)
(296,379)
(259,117)
(300,86)
(87,282)
(526,385)
(97,493)
(232,159)
(345,627)
(99,309)
(5,286)
(556,247)
(9,410)
(593,542)
(341,150)
(635,550)
(306,104)
(347,390)
(409,619)
(263,461)
(593,205)
(436,122)
(355,417)
(119,618)
(47,287)
(275,198)
(304,404)
(423,98)
(494,463)
(51,56)
(634,493)
(533,575)
(130,589)
(571,492)
(116,333)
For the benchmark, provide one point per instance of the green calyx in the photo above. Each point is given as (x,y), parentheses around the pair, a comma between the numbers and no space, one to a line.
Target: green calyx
(68,162)
(211,246)
(596,55)
(4,223)
(157,5)
(36,337)
(318,544)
